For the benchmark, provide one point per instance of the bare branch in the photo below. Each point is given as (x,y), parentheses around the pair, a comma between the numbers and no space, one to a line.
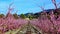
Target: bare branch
(39,6)
(54,2)
(16,11)
(10,9)
(58,4)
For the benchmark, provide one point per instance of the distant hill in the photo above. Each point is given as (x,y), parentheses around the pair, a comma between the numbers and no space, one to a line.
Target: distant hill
(36,15)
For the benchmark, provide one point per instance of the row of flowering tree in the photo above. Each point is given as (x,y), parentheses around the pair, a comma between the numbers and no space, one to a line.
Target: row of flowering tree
(47,23)
(8,22)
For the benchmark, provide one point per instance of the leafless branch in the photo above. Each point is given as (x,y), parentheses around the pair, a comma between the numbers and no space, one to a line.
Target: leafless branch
(10,9)
(54,2)
(58,4)
(16,11)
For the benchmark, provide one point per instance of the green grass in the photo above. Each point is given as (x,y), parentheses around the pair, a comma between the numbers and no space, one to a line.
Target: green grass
(12,32)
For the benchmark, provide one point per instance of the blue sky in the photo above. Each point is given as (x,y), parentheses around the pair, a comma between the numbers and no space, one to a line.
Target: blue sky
(25,6)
